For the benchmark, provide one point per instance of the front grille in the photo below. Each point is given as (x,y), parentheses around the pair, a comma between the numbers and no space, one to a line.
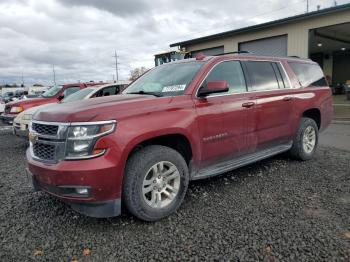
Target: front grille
(44,151)
(50,130)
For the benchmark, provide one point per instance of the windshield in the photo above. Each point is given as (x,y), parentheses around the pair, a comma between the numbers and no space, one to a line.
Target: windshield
(78,95)
(165,80)
(52,91)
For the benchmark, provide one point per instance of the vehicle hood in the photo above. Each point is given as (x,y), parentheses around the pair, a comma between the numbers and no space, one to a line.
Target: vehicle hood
(31,111)
(31,102)
(102,108)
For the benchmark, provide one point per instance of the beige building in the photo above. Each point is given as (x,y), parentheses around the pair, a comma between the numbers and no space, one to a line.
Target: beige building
(323,36)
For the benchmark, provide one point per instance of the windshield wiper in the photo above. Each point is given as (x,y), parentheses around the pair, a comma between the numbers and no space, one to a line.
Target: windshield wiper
(142,92)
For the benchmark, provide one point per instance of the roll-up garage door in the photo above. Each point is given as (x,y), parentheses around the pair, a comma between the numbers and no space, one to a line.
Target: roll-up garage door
(210,51)
(273,46)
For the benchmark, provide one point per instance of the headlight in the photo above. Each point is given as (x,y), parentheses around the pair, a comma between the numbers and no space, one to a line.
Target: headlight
(16,109)
(82,138)
(27,117)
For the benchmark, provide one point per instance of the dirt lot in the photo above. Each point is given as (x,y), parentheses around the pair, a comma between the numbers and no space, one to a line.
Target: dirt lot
(275,210)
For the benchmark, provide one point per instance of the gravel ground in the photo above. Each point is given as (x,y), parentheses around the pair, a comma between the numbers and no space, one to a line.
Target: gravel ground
(275,210)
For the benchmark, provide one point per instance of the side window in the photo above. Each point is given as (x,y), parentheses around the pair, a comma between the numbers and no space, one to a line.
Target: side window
(232,72)
(262,75)
(278,75)
(108,91)
(70,90)
(308,74)
(284,77)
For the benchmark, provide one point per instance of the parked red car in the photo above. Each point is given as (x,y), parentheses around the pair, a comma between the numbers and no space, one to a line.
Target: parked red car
(53,95)
(181,121)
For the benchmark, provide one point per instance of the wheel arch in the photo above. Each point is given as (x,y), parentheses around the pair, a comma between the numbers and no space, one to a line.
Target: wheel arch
(315,114)
(176,139)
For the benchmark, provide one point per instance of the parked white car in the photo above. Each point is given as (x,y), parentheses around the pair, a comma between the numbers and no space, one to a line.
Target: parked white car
(2,106)
(21,122)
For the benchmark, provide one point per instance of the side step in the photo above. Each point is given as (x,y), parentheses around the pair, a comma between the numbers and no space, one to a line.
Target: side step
(226,166)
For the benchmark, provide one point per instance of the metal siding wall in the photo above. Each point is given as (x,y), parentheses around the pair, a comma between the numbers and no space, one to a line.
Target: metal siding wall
(298,34)
(210,51)
(274,46)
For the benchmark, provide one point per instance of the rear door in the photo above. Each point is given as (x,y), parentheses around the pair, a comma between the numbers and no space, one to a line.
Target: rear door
(269,86)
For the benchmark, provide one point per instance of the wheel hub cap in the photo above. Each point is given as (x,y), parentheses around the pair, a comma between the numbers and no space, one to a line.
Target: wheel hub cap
(161,184)
(309,139)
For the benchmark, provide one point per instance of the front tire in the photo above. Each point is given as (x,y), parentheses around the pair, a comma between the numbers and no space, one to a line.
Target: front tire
(155,182)
(306,140)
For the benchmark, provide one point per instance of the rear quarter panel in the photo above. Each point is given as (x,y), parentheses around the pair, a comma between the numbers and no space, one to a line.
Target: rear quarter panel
(305,98)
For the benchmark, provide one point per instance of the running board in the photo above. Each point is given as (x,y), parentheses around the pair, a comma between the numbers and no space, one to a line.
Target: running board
(226,166)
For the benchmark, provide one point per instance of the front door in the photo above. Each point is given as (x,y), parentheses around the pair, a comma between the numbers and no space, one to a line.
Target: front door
(225,117)
(211,130)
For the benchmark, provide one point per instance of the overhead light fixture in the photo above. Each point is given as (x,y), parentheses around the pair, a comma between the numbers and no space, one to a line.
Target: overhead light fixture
(319,44)
(343,48)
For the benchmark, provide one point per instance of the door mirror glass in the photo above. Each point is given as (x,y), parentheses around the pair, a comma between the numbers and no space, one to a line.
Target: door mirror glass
(212,87)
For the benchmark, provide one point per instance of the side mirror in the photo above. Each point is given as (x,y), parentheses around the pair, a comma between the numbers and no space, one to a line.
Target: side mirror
(213,87)
(60,97)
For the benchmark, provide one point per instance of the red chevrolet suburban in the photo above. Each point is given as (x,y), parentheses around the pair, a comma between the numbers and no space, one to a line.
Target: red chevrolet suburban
(185,120)
(53,95)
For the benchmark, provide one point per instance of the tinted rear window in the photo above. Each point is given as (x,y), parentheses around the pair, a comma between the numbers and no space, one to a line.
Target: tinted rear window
(308,74)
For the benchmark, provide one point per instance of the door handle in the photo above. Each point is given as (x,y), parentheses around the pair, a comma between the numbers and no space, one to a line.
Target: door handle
(287,98)
(248,104)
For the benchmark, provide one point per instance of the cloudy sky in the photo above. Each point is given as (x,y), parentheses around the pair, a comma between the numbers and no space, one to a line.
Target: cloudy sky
(79,36)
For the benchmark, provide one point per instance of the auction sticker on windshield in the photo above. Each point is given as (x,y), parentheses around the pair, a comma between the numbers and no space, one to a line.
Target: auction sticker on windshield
(174,88)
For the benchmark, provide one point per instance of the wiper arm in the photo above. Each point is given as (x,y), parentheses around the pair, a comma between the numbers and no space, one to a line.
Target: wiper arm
(142,92)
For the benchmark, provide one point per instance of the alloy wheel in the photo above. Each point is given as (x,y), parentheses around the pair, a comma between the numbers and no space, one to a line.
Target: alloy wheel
(161,184)
(309,139)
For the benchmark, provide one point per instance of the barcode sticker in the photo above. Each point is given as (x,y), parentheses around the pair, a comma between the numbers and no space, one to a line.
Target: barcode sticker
(174,88)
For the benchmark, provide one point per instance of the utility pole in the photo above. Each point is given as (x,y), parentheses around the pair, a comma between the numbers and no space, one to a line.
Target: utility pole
(307,6)
(116,64)
(22,80)
(54,74)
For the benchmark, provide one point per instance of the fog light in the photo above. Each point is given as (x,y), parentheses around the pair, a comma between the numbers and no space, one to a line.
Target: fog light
(82,191)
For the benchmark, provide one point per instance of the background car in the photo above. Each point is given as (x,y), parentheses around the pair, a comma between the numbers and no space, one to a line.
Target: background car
(8,96)
(52,95)
(21,122)
(2,104)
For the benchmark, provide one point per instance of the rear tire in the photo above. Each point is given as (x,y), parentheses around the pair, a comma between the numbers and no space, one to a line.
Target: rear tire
(155,182)
(306,140)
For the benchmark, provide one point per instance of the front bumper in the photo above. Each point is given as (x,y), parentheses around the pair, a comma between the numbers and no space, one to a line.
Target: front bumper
(98,209)
(7,118)
(100,176)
